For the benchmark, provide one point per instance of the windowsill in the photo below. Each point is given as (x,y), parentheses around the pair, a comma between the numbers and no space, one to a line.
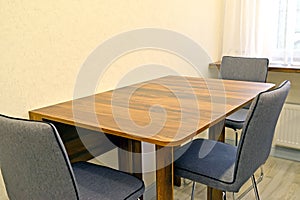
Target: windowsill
(272,67)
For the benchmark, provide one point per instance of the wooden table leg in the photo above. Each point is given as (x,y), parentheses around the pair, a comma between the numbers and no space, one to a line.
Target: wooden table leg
(125,155)
(130,157)
(164,173)
(177,181)
(137,159)
(216,132)
(213,194)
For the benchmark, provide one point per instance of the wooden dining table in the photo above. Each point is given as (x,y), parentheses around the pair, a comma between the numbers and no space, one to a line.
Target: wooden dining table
(167,112)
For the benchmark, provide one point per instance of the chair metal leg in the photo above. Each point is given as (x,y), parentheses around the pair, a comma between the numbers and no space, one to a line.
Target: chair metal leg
(193,190)
(224,195)
(236,137)
(255,187)
(260,178)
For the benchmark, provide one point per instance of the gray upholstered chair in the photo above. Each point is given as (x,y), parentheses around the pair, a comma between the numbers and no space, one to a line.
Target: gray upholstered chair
(243,69)
(227,167)
(35,165)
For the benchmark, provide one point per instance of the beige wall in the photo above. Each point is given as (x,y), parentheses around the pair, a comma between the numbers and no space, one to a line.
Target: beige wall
(44,43)
(279,77)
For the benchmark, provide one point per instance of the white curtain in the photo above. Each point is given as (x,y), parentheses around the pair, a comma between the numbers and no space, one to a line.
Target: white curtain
(249,27)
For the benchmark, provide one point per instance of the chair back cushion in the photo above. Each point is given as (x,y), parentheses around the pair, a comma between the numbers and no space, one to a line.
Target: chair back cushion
(34,162)
(244,69)
(258,131)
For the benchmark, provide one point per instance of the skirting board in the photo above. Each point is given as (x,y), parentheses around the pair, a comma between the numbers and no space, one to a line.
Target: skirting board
(285,153)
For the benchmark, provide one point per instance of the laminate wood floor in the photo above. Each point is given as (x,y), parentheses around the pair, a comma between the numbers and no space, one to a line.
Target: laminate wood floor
(281,182)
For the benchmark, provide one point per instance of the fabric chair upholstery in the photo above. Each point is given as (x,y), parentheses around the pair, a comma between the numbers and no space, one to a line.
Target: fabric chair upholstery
(243,69)
(237,119)
(226,167)
(35,165)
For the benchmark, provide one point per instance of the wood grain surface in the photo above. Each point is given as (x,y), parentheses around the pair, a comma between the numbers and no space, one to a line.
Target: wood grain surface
(166,111)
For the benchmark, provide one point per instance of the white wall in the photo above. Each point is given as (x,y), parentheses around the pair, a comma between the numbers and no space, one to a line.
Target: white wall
(44,43)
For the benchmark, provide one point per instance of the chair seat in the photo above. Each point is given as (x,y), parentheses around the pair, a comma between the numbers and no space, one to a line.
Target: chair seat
(197,161)
(237,119)
(99,182)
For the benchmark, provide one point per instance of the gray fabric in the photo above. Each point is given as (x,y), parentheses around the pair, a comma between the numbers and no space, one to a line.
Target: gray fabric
(253,150)
(96,182)
(35,165)
(258,131)
(243,69)
(237,119)
(200,155)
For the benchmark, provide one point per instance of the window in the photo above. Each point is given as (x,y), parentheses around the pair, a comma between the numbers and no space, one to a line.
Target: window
(287,49)
(265,28)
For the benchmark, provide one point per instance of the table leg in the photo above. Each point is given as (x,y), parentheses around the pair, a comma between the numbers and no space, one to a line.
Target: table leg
(213,194)
(216,132)
(125,155)
(177,179)
(137,159)
(164,173)
(130,157)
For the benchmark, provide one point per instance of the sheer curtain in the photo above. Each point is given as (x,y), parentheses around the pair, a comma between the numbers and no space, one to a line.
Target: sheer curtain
(250,27)
(287,51)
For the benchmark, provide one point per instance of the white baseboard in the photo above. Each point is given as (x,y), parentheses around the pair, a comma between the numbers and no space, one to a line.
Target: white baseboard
(286,153)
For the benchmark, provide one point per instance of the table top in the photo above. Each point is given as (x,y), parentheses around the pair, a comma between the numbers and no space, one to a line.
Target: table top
(166,111)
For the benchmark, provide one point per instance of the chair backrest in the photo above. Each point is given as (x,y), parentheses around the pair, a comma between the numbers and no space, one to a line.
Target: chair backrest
(258,131)
(34,162)
(244,69)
